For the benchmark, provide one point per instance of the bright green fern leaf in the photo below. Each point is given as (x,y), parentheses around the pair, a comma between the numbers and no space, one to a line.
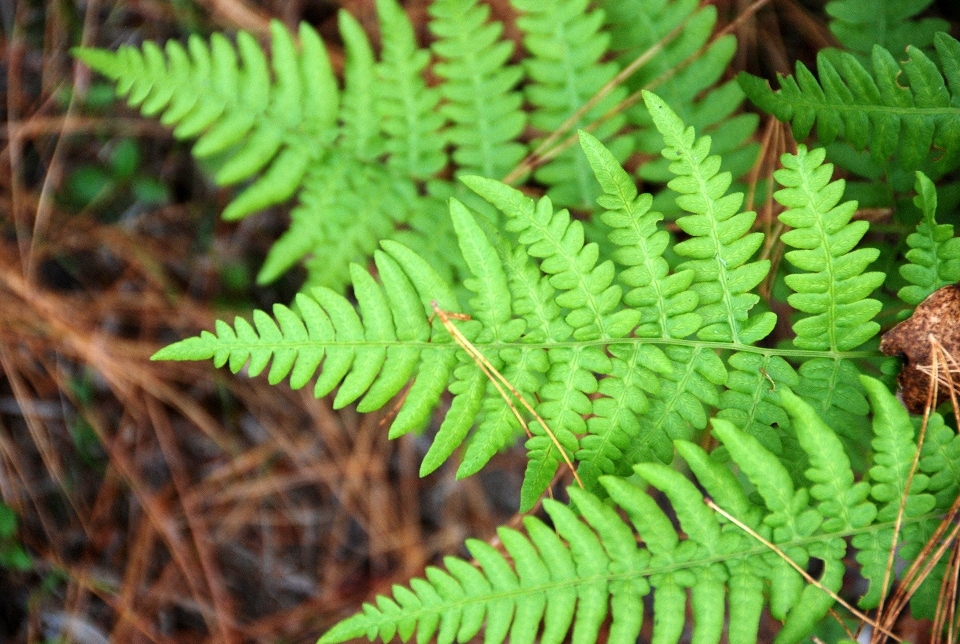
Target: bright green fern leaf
(934,255)
(831,290)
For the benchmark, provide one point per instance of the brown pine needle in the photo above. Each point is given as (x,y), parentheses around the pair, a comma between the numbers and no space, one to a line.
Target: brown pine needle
(497,379)
(780,553)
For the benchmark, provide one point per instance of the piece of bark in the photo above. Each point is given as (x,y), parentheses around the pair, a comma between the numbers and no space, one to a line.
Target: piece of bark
(937,316)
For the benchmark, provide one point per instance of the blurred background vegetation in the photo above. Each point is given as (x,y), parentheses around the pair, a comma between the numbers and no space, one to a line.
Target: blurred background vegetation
(169,502)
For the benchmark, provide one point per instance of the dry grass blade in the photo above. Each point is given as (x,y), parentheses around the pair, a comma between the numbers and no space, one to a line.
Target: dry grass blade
(498,379)
(780,553)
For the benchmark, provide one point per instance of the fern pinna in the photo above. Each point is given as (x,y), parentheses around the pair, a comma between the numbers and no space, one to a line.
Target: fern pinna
(590,565)
(385,142)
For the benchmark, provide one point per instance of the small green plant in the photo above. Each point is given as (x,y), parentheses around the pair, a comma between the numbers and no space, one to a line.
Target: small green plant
(611,346)
(12,553)
(109,188)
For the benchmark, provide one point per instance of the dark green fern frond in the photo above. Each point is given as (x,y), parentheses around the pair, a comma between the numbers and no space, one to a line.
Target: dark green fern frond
(565,47)
(888,23)
(832,290)
(934,255)
(480,96)
(253,123)
(899,111)
(407,107)
(591,565)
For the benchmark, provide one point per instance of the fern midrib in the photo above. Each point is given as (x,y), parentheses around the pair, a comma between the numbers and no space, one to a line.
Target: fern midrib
(811,197)
(696,344)
(710,214)
(802,101)
(693,564)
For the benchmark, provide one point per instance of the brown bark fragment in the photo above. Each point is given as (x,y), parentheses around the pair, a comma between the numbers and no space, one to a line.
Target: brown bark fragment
(937,316)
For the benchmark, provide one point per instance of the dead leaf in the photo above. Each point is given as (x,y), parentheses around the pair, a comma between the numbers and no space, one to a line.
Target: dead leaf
(937,316)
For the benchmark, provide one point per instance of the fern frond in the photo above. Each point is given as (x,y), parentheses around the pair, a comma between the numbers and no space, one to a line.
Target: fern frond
(481,99)
(667,310)
(587,292)
(832,290)
(565,45)
(360,129)
(899,111)
(894,453)
(682,72)
(372,354)
(934,255)
(718,249)
(889,23)
(276,127)
(407,107)
(591,566)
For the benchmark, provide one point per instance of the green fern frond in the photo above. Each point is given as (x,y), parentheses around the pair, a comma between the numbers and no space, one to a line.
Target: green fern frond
(718,249)
(899,111)
(371,354)
(407,107)
(832,290)
(481,99)
(934,255)
(666,308)
(615,378)
(253,123)
(682,73)
(360,130)
(889,23)
(565,46)
(586,291)
(894,453)
(553,583)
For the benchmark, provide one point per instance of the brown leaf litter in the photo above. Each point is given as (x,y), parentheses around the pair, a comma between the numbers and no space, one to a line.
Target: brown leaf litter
(937,317)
